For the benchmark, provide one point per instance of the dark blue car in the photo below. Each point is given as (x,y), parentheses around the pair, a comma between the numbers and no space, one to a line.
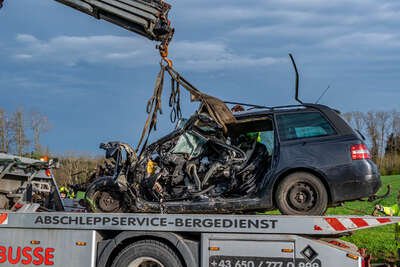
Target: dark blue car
(299,159)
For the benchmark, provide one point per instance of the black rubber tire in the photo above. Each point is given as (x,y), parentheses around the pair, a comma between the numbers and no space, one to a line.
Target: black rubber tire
(94,197)
(147,249)
(312,189)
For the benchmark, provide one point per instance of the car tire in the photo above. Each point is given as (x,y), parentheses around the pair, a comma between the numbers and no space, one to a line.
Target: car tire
(150,253)
(301,193)
(104,201)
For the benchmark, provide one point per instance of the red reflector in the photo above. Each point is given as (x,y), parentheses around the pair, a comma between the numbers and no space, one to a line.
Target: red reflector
(48,173)
(360,151)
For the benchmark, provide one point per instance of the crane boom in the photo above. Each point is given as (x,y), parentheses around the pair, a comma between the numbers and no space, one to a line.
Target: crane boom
(148,18)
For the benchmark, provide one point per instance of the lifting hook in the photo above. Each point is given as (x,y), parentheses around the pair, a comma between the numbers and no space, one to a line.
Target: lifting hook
(164,54)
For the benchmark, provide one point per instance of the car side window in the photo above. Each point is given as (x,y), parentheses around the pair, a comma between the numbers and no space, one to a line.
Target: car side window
(303,125)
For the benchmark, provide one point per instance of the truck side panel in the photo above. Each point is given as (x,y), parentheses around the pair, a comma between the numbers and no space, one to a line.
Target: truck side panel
(238,250)
(46,247)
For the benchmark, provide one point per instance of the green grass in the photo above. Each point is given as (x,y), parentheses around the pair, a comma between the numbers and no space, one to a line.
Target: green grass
(379,241)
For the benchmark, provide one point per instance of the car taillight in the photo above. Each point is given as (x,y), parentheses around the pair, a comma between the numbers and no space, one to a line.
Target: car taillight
(360,151)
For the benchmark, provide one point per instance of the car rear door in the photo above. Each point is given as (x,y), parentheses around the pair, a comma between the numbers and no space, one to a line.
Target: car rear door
(309,140)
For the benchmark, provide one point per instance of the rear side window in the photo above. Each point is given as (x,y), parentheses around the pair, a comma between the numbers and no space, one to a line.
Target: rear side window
(303,125)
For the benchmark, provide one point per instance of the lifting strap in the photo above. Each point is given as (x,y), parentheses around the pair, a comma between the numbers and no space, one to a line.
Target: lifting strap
(213,106)
(153,108)
(175,101)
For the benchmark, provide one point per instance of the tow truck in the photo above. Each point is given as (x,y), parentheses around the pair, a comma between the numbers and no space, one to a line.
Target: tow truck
(174,240)
(35,233)
(58,238)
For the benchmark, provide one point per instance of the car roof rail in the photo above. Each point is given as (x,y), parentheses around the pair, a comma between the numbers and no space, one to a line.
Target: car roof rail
(274,108)
(252,106)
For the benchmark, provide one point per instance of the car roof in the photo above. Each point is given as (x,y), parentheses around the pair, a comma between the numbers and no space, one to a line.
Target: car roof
(265,111)
(333,115)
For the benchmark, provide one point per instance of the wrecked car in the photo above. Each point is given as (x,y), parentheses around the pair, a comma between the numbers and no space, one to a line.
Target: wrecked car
(299,159)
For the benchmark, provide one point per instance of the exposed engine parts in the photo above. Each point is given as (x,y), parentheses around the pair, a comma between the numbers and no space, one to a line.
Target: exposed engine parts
(197,162)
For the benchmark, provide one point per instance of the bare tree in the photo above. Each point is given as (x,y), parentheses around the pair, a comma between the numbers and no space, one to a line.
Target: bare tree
(39,125)
(3,131)
(372,133)
(18,131)
(6,138)
(396,122)
(392,144)
(358,120)
(382,118)
(396,130)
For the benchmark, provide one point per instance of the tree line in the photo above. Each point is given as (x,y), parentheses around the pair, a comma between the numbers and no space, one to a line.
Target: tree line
(381,130)
(21,132)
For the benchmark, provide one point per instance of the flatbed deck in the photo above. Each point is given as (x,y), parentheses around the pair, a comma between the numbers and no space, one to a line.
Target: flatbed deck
(256,224)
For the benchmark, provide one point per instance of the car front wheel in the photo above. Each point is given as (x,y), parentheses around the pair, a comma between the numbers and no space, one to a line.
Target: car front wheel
(301,193)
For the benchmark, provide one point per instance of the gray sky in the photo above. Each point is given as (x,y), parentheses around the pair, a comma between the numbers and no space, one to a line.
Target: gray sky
(93,78)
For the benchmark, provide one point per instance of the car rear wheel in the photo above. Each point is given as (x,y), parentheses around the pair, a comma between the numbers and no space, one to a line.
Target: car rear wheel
(301,193)
(147,253)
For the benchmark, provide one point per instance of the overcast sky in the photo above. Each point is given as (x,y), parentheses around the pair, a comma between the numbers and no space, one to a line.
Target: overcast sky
(92,79)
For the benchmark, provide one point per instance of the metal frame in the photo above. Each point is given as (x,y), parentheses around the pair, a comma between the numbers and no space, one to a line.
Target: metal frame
(273,251)
(30,176)
(6,170)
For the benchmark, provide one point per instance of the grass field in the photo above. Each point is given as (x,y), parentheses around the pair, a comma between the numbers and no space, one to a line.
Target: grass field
(379,241)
